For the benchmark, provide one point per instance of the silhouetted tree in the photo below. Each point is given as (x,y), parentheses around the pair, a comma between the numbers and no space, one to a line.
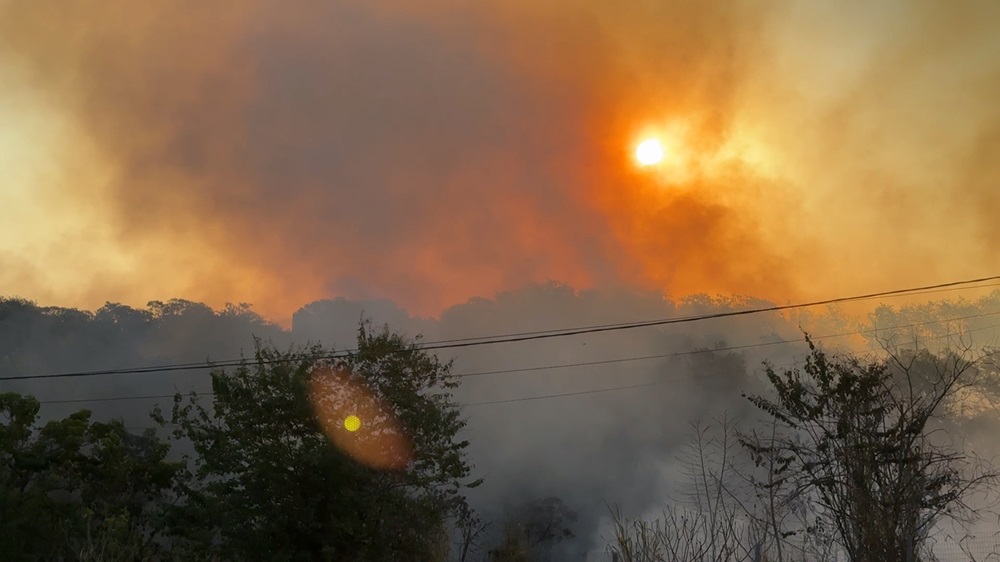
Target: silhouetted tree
(856,438)
(72,484)
(268,484)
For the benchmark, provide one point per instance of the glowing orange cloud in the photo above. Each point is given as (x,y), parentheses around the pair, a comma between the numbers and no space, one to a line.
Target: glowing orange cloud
(432,151)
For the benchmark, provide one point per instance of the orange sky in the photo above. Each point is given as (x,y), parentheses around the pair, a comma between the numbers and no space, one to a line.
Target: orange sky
(434,151)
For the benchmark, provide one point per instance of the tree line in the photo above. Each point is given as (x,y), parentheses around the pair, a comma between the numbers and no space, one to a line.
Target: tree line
(268,468)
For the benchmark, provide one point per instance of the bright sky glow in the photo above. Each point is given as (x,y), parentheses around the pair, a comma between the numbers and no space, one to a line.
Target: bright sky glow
(649,152)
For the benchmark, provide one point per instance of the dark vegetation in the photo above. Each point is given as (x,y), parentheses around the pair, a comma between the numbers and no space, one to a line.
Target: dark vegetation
(861,456)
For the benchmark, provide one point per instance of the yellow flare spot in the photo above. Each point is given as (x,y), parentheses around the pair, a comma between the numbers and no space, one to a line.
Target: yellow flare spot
(352,423)
(341,402)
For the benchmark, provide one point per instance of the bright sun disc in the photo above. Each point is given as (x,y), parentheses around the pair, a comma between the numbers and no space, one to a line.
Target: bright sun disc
(649,152)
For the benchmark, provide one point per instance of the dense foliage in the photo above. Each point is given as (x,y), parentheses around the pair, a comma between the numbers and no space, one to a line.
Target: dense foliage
(77,489)
(257,477)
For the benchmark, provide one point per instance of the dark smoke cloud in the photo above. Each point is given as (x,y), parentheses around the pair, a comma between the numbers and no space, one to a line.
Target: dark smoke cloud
(275,154)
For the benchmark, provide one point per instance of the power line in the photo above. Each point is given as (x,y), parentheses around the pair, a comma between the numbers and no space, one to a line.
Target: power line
(727,348)
(524,336)
(686,319)
(624,325)
(564,394)
(616,388)
(607,361)
(642,385)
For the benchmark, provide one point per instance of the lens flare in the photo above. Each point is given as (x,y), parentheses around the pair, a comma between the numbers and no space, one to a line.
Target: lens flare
(340,401)
(352,423)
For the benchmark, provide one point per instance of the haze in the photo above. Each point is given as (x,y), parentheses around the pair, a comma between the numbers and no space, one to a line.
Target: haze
(429,152)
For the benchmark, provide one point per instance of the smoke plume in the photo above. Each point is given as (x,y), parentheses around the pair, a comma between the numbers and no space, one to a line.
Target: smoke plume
(433,151)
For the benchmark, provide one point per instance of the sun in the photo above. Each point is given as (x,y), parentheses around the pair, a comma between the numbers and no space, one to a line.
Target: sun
(649,152)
